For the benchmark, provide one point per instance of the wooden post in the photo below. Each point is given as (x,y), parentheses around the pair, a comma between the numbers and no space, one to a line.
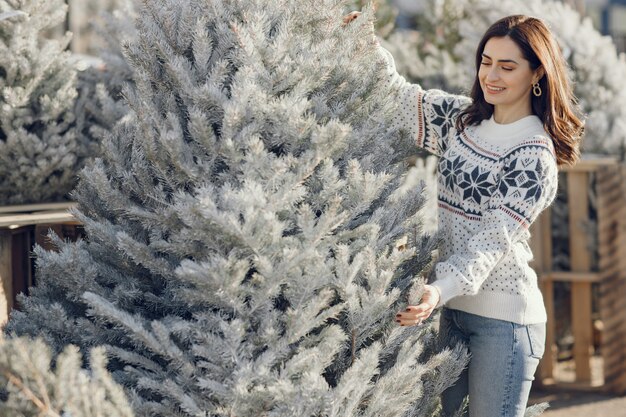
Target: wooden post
(541,243)
(612,290)
(610,276)
(580,258)
(21,247)
(6,276)
(76,20)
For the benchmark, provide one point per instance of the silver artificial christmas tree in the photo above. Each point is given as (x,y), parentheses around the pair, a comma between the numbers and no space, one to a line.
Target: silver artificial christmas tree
(243,254)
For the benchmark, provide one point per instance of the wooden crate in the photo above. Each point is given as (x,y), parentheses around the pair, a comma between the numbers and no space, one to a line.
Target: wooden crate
(609,278)
(21,227)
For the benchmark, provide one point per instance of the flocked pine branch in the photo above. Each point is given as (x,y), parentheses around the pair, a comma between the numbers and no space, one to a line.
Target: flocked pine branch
(36,384)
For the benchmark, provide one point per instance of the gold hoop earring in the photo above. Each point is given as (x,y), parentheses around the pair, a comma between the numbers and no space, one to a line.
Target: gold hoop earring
(537,90)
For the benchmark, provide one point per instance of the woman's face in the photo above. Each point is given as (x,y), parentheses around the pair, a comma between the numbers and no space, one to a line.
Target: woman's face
(505,75)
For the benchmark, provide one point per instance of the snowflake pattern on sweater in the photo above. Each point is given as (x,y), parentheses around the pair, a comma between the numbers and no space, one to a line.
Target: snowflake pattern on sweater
(490,190)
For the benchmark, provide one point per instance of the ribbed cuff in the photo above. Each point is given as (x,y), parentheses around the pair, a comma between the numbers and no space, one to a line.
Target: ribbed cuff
(448,289)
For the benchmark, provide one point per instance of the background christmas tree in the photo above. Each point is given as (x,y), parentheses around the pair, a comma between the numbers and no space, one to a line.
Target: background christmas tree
(86,19)
(40,150)
(100,104)
(244,224)
(34,387)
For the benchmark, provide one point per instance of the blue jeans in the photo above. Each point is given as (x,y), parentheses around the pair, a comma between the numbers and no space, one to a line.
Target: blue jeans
(503,360)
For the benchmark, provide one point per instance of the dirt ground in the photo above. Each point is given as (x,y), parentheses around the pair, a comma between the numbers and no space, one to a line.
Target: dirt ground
(570,402)
(579,404)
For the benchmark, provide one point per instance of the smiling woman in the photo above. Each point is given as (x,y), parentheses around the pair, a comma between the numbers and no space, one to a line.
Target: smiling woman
(518,54)
(499,152)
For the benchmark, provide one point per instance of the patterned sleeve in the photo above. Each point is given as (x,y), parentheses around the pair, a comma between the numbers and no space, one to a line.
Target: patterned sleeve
(527,185)
(428,116)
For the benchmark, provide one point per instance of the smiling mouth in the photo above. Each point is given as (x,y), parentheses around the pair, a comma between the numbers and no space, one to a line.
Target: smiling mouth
(494,89)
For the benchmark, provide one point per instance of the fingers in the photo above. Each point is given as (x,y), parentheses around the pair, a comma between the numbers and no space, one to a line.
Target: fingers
(414,314)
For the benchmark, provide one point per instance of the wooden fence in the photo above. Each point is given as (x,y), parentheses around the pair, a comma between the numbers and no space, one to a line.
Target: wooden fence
(21,227)
(605,284)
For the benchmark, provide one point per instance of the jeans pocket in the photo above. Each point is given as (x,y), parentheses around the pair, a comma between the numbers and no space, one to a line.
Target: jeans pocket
(537,339)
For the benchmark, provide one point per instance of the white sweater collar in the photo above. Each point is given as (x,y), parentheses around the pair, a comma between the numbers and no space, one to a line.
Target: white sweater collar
(495,132)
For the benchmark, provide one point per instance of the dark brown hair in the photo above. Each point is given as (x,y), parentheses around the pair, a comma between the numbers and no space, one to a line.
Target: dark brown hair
(556,107)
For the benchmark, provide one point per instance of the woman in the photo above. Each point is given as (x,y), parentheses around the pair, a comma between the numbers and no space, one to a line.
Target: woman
(499,151)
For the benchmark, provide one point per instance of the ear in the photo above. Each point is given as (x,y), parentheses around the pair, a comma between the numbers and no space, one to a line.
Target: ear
(539,73)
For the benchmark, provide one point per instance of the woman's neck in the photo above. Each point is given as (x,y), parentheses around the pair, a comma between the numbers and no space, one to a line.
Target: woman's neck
(506,114)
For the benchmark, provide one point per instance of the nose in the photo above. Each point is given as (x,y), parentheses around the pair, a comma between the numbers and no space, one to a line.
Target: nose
(493,74)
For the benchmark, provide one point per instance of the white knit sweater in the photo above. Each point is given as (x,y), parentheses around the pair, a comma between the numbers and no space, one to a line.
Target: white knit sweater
(493,181)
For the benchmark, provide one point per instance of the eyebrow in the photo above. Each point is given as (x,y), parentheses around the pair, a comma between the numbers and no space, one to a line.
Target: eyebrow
(502,60)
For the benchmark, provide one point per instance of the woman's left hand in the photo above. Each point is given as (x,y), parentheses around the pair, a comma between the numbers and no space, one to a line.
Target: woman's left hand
(350,17)
(416,314)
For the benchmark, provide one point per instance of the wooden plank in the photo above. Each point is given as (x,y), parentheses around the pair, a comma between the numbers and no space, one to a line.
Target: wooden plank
(587,165)
(541,246)
(613,365)
(609,217)
(612,325)
(6,276)
(611,282)
(617,386)
(548,362)
(581,329)
(608,196)
(613,340)
(608,175)
(608,187)
(541,242)
(608,250)
(616,382)
(608,244)
(575,386)
(76,19)
(612,251)
(609,301)
(610,314)
(577,190)
(568,276)
(29,208)
(611,377)
(607,314)
(18,220)
(609,269)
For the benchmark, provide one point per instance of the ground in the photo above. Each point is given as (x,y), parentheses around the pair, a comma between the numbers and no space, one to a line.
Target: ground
(580,404)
